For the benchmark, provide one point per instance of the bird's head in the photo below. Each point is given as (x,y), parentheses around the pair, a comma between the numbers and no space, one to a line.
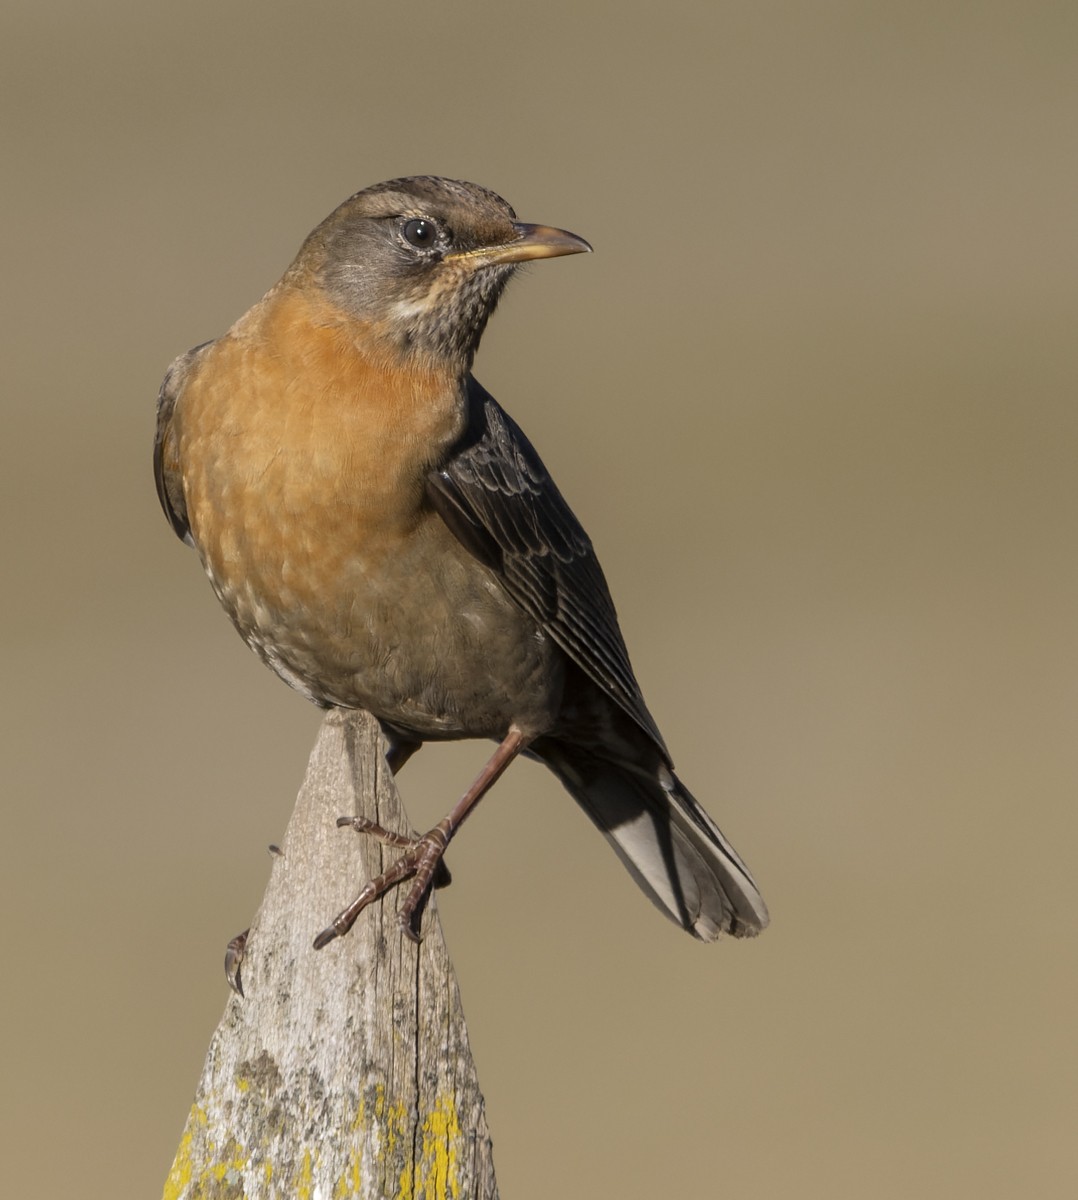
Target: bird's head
(422,262)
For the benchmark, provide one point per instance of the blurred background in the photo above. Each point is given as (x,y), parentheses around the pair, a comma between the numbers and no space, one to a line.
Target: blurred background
(813,397)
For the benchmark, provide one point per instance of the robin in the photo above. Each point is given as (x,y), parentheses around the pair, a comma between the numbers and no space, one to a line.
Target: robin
(384,536)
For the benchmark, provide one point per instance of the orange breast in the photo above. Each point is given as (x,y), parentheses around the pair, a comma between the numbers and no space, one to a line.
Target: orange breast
(304,461)
(299,450)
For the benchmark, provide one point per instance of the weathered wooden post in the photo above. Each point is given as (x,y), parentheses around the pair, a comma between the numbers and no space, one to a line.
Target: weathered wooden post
(346,1071)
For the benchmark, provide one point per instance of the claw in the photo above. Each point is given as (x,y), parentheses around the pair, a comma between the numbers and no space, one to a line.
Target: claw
(234,953)
(326,936)
(346,918)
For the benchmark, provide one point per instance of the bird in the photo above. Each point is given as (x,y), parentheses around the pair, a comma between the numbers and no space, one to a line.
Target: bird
(384,536)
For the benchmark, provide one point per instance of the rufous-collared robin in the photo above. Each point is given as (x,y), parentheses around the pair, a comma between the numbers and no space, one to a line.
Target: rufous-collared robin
(384,536)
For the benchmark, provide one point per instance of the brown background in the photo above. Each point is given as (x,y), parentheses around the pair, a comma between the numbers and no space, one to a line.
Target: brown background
(814,398)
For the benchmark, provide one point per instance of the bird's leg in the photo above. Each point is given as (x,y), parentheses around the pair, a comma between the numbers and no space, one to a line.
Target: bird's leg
(424,854)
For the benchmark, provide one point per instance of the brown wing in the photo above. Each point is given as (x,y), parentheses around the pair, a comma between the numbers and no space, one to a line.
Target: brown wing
(497,497)
(166,467)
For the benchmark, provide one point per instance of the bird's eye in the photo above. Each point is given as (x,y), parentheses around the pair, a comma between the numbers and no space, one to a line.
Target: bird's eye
(420,233)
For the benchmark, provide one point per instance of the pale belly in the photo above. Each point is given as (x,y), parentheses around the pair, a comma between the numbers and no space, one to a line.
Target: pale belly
(425,638)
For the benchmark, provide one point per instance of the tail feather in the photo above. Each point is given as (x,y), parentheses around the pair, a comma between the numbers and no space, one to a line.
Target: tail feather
(671,847)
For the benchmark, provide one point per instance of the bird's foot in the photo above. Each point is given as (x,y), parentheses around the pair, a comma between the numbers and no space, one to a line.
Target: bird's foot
(421,862)
(403,841)
(234,952)
(422,857)
(237,948)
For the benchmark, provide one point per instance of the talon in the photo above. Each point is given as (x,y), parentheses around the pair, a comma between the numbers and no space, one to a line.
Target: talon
(325,937)
(346,918)
(411,913)
(234,953)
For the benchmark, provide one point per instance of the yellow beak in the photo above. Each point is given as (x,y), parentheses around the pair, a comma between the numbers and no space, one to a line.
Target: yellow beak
(533,241)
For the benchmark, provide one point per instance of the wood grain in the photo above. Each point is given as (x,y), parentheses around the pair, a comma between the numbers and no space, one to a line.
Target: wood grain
(347,1071)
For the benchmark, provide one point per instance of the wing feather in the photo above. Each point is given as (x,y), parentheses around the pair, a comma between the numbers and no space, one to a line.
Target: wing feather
(497,497)
(166,468)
